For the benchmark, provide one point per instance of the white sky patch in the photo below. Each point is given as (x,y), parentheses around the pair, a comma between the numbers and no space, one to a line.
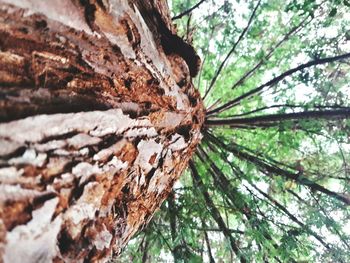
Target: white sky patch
(177,185)
(328,32)
(345,89)
(303,93)
(263,186)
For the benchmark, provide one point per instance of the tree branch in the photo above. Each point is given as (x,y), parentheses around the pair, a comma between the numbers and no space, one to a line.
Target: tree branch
(271,169)
(291,106)
(210,255)
(277,79)
(215,212)
(290,215)
(275,119)
(145,250)
(232,194)
(172,219)
(186,12)
(232,50)
(269,55)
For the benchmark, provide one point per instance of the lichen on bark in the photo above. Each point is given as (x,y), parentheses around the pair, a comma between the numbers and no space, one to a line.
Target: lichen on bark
(98,119)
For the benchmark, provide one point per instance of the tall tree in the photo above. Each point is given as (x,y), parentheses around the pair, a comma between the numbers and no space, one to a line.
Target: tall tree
(99,117)
(98,120)
(270,180)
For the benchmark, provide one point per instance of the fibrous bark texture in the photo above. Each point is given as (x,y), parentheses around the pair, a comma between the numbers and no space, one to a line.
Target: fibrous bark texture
(98,118)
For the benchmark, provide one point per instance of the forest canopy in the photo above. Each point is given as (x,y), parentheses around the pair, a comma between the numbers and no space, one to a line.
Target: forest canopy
(270,179)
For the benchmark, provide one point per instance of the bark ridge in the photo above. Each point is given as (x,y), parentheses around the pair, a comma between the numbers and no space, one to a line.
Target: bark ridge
(98,119)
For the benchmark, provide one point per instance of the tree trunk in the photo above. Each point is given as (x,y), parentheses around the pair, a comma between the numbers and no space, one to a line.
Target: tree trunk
(98,119)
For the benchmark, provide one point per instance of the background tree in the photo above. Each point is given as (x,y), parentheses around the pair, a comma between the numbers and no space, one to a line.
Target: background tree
(270,180)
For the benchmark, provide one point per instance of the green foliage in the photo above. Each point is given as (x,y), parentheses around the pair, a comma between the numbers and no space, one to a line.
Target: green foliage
(265,178)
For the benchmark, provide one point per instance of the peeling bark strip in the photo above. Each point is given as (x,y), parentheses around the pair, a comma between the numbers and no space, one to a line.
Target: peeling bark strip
(98,118)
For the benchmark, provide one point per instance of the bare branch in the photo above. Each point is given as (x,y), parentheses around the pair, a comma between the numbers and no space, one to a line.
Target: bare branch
(145,250)
(277,79)
(210,255)
(269,55)
(206,51)
(292,106)
(188,11)
(172,219)
(275,119)
(232,50)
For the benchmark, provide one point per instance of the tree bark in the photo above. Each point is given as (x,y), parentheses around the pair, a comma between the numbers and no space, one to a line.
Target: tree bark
(98,119)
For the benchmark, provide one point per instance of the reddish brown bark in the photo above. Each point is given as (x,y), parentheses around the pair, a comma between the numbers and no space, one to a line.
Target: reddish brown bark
(98,119)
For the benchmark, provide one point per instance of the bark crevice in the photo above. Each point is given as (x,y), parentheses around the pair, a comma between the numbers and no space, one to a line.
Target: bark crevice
(98,119)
